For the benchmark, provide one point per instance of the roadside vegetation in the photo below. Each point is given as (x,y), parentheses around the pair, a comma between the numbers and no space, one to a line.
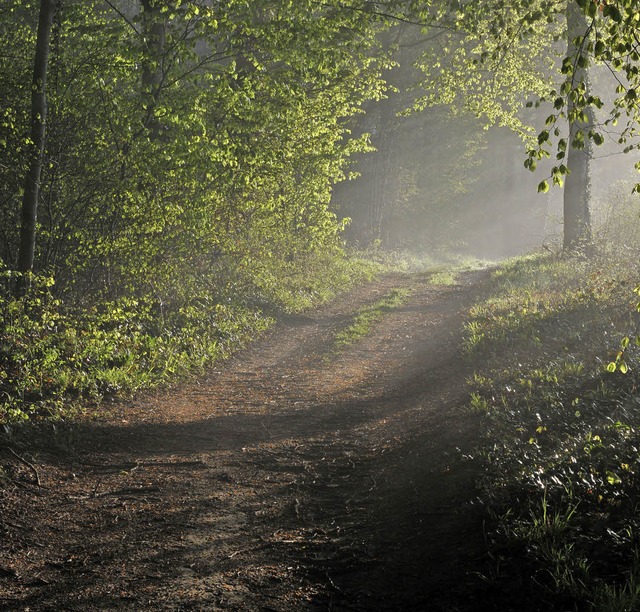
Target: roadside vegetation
(556,387)
(55,358)
(58,358)
(439,273)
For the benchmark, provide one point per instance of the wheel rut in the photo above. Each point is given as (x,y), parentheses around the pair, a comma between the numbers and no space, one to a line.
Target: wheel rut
(290,477)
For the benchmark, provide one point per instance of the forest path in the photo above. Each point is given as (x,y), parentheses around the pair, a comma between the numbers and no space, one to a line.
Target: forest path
(289,478)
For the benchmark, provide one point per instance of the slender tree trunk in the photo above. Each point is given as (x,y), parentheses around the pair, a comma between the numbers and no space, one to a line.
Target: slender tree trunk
(577,191)
(155,33)
(36,146)
(387,132)
(379,178)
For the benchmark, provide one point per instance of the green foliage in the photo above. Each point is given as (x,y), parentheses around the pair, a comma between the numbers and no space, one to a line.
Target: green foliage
(397,260)
(445,278)
(241,141)
(490,59)
(53,358)
(537,294)
(560,437)
(497,59)
(609,40)
(191,153)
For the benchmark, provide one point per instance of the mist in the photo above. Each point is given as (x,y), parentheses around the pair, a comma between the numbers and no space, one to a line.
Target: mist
(446,185)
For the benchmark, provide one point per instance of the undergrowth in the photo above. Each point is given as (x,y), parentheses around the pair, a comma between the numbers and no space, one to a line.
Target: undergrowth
(56,355)
(446,264)
(561,437)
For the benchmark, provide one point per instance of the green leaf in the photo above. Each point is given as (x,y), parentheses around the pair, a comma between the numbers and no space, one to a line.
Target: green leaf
(543,187)
(612,11)
(613,478)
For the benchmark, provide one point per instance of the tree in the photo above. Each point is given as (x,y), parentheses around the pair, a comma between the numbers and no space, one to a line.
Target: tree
(577,189)
(154,33)
(37,139)
(185,136)
(598,34)
(500,54)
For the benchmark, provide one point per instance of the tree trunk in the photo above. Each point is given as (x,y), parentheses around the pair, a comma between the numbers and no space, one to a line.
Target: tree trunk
(36,146)
(154,27)
(385,140)
(577,191)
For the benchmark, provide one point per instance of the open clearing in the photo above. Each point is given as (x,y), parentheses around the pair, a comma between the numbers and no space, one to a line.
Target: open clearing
(292,477)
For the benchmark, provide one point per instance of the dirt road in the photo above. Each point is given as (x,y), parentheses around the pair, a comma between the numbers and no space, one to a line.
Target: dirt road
(291,478)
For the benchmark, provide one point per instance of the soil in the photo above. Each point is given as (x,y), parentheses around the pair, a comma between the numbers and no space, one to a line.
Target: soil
(292,477)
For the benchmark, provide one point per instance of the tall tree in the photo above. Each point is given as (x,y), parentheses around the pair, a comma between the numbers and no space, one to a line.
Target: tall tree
(577,188)
(154,31)
(184,132)
(37,138)
(598,34)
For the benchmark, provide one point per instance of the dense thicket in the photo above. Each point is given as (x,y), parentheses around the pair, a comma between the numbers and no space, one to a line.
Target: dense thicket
(190,152)
(181,133)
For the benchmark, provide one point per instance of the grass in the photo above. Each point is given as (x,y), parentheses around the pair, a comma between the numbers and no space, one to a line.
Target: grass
(361,323)
(447,274)
(445,278)
(561,442)
(57,357)
(435,264)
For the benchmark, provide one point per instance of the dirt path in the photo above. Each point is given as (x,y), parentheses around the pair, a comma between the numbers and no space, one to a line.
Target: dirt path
(288,479)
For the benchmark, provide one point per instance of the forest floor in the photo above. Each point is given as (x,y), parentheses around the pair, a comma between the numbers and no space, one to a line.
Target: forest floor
(294,476)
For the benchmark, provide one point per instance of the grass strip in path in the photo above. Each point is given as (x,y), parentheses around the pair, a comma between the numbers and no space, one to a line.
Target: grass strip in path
(361,322)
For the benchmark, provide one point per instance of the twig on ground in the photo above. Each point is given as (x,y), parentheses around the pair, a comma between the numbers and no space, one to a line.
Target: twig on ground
(333,584)
(28,464)
(138,464)
(118,492)
(6,524)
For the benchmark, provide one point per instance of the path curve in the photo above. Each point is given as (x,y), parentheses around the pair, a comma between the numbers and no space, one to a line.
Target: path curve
(289,478)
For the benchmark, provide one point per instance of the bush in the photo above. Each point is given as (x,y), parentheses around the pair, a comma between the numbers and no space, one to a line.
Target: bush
(55,356)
